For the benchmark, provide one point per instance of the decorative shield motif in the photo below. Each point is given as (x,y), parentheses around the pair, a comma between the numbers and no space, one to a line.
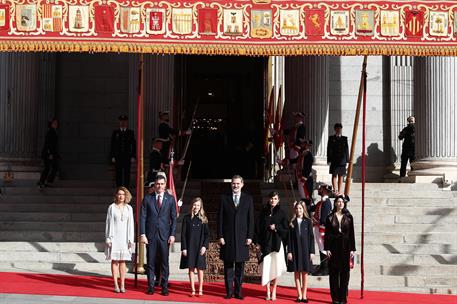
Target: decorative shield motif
(261,23)
(439,24)
(315,22)
(339,23)
(364,22)
(182,21)
(207,21)
(78,18)
(4,17)
(414,23)
(390,23)
(289,22)
(26,17)
(52,18)
(155,21)
(130,20)
(104,19)
(233,22)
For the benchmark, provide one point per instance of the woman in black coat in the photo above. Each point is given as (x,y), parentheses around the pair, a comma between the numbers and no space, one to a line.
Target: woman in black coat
(300,249)
(339,243)
(194,242)
(49,155)
(271,236)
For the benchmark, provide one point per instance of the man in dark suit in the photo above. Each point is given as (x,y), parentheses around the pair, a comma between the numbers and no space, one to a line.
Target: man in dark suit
(235,232)
(408,151)
(338,156)
(155,159)
(158,231)
(123,151)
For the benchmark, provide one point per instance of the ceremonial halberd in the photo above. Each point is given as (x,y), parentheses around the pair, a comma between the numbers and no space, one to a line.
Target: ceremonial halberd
(241,27)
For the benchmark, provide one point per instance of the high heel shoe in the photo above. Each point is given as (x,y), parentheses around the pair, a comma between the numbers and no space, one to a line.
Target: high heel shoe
(273,296)
(268,298)
(116,289)
(200,293)
(192,294)
(122,289)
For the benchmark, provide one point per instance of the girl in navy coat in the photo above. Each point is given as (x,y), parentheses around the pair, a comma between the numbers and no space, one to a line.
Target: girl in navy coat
(194,243)
(300,249)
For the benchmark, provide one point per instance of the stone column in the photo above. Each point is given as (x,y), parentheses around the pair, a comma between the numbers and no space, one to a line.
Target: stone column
(307,90)
(158,90)
(400,105)
(436,124)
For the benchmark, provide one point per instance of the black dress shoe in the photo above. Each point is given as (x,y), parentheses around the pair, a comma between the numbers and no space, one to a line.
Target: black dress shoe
(298,300)
(164,292)
(239,297)
(227,297)
(304,300)
(150,290)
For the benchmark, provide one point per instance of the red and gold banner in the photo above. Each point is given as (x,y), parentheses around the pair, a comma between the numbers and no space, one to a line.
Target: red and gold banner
(237,27)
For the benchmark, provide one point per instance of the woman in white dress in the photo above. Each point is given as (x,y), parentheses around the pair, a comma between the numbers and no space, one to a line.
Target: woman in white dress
(119,235)
(271,234)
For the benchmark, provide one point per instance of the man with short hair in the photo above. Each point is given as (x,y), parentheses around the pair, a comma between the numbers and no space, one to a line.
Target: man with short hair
(338,156)
(408,151)
(235,233)
(158,231)
(123,151)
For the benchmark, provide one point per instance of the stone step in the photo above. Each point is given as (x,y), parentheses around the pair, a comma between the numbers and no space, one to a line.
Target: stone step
(402,228)
(53,226)
(411,259)
(411,238)
(52,217)
(74,208)
(56,199)
(380,249)
(52,236)
(61,247)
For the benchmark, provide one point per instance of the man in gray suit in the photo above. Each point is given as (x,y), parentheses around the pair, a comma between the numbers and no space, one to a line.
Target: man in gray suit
(158,231)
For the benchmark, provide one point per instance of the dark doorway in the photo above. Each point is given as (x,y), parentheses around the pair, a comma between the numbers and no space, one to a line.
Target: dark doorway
(228,123)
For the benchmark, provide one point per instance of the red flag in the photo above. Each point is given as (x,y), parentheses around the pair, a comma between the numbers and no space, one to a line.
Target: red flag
(278,122)
(269,119)
(171,185)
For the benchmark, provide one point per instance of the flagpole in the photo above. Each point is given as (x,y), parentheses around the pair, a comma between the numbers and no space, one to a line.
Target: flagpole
(364,158)
(139,174)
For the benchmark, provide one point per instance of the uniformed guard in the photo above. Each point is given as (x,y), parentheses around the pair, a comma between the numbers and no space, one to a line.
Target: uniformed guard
(321,211)
(304,170)
(168,134)
(408,151)
(296,137)
(123,151)
(155,159)
(338,156)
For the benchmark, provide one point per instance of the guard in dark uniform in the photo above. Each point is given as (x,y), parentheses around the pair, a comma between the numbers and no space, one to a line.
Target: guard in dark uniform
(338,156)
(296,137)
(123,151)
(155,159)
(408,151)
(168,134)
(50,155)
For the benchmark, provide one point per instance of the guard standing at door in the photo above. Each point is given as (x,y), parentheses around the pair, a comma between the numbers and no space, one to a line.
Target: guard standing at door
(123,151)
(168,134)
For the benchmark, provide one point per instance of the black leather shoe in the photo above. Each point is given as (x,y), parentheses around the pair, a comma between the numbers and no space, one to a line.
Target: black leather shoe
(227,297)
(239,297)
(164,292)
(304,300)
(150,290)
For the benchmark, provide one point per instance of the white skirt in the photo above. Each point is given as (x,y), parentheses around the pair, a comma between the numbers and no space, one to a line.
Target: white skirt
(273,266)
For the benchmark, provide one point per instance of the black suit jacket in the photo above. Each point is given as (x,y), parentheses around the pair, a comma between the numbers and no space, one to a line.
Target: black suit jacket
(337,150)
(123,144)
(236,225)
(154,221)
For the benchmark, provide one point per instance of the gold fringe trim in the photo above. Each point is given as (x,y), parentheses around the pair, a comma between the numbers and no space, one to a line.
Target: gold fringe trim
(227,49)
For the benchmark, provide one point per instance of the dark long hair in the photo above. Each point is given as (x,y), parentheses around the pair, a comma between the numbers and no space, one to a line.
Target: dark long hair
(345,210)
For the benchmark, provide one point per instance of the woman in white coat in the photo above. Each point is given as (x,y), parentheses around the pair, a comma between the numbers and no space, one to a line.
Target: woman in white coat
(119,235)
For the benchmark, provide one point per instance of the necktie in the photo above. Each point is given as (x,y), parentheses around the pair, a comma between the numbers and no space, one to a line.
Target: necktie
(159,201)
(236,201)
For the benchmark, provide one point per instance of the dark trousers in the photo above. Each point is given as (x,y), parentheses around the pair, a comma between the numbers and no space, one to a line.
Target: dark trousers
(229,276)
(123,171)
(157,249)
(50,170)
(339,281)
(404,162)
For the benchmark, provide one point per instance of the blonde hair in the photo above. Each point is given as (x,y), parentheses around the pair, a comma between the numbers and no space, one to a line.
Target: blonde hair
(128,195)
(201,213)
(305,212)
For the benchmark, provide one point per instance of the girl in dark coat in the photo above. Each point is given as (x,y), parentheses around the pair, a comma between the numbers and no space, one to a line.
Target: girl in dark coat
(300,249)
(49,155)
(339,243)
(194,242)
(270,237)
